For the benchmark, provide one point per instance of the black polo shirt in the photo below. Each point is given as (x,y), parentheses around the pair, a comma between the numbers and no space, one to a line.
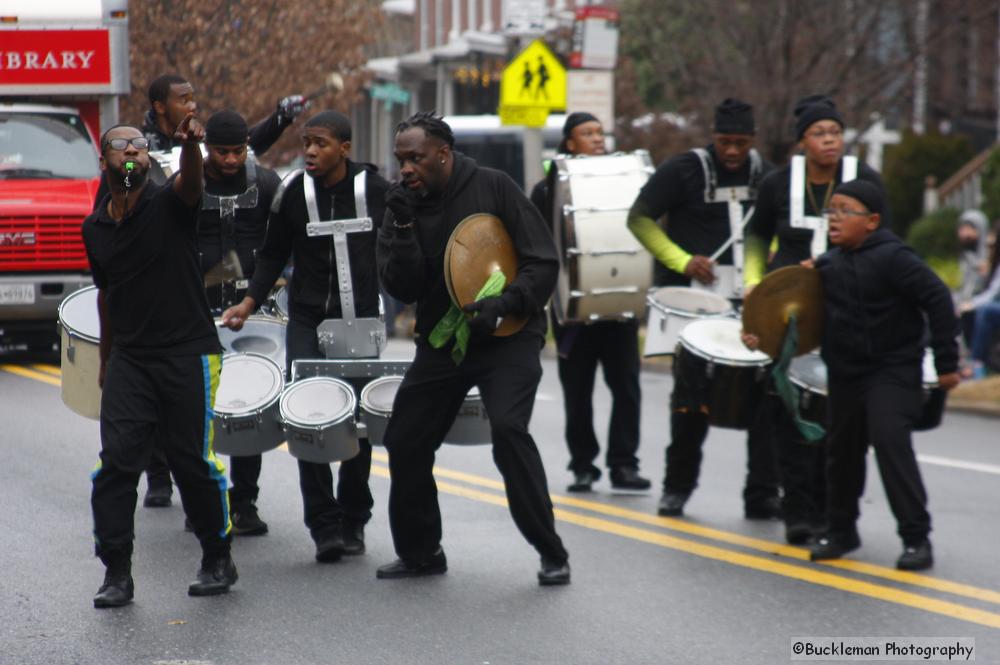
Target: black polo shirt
(677,190)
(147,267)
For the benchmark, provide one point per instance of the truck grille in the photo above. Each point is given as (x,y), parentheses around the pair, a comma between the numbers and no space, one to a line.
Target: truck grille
(41,243)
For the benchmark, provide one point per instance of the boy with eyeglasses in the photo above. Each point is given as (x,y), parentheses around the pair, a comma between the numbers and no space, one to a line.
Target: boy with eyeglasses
(877,295)
(160,357)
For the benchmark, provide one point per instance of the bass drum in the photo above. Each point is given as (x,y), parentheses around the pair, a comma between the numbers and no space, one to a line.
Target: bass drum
(673,307)
(80,330)
(318,415)
(605,271)
(246,405)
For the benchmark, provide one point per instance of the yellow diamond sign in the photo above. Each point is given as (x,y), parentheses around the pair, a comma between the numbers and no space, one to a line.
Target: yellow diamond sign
(533,84)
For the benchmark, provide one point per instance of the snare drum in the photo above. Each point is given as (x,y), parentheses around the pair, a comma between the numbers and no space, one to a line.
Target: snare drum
(279,304)
(472,424)
(376,406)
(246,405)
(605,270)
(673,307)
(80,328)
(808,374)
(262,335)
(726,377)
(318,417)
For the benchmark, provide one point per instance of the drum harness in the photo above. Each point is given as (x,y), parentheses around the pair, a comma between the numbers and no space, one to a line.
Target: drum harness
(734,198)
(348,336)
(227,207)
(798,219)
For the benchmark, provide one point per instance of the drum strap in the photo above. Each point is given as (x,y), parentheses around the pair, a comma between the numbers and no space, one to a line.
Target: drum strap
(788,393)
(797,193)
(338,229)
(228,205)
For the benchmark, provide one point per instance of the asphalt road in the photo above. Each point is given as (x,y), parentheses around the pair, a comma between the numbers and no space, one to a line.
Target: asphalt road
(708,588)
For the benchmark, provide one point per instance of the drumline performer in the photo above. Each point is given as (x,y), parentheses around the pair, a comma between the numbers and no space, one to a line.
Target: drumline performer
(704,194)
(171,98)
(790,208)
(581,347)
(439,189)
(233,218)
(333,188)
(160,358)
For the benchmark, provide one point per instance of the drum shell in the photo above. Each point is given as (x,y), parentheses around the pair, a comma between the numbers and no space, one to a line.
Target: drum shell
(250,431)
(731,393)
(334,440)
(376,419)
(472,424)
(80,361)
(665,323)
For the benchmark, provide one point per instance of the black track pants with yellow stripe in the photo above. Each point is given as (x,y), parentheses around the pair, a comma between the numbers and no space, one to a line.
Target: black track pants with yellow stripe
(166,401)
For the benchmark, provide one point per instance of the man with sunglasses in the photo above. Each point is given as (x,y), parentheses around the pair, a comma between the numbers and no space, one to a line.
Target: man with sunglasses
(160,357)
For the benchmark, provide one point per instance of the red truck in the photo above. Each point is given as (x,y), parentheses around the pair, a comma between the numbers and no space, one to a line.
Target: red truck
(63,64)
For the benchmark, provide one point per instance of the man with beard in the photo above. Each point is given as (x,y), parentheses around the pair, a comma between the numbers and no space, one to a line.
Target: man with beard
(233,218)
(336,523)
(160,358)
(689,191)
(441,188)
(581,347)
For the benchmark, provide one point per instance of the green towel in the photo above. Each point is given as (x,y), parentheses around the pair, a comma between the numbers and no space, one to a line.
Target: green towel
(455,322)
(788,392)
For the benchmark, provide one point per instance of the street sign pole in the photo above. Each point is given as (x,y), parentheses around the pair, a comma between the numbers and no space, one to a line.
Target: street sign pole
(532,141)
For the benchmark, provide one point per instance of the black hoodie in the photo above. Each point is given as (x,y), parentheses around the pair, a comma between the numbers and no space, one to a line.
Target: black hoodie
(314,293)
(875,300)
(411,261)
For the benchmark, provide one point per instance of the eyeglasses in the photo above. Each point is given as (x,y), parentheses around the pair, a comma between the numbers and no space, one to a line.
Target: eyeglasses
(843,212)
(139,143)
(835,133)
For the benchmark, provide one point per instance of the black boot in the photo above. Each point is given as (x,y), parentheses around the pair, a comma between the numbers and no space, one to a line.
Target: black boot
(628,478)
(354,538)
(917,556)
(435,564)
(553,573)
(118,588)
(217,574)
(246,521)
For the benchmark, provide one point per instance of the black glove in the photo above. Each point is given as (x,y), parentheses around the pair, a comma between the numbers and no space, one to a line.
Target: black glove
(489,313)
(400,202)
(290,107)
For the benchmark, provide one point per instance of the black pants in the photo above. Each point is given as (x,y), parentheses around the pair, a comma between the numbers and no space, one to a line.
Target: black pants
(615,345)
(879,409)
(688,431)
(801,465)
(325,511)
(164,401)
(507,372)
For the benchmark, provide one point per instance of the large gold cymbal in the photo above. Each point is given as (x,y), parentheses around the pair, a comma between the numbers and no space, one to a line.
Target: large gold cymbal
(478,246)
(785,291)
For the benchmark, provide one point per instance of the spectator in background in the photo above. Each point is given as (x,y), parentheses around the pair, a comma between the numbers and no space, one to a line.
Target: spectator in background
(972,225)
(984,308)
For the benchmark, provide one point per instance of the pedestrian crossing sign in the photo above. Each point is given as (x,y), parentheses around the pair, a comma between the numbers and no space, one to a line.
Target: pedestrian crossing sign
(533,84)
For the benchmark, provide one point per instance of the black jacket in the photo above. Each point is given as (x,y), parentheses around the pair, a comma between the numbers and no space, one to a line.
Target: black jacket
(314,292)
(262,135)
(876,298)
(411,261)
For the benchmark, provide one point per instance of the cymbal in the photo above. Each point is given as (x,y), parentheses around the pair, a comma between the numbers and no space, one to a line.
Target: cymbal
(785,291)
(478,246)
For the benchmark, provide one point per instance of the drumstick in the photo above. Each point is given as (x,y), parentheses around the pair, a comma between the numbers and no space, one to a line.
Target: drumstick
(334,83)
(732,239)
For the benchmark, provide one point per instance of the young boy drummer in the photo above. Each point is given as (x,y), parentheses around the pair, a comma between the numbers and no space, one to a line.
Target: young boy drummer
(877,293)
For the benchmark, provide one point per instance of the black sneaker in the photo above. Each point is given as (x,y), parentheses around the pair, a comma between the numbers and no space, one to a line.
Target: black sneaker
(553,573)
(582,481)
(117,590)
(158,496)
(834,547)
(354,538)
(628,478)
(768,508)
(246,521)
(330,548)
(436,564)
(916,557)
(798,533)
(672,504)
(214,578)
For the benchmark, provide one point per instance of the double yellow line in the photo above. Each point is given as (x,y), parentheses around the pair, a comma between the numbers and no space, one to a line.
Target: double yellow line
(746,552)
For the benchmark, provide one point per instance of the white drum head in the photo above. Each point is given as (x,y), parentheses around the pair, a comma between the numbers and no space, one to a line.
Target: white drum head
(260,335)
(809,373)
(689,302)
(318,401)
(249,383)
(78,314)
(719,340)
(377,397)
